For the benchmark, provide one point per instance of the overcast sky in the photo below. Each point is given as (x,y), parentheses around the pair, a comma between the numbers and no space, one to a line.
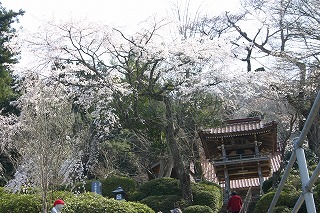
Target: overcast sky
(126,14)
(114,12)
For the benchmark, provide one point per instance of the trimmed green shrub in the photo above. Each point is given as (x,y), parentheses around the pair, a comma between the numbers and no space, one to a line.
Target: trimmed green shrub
(91,202)
(86,202)
(198,209)
(20,203)
(162,202)
(160,186)
(112,183)
(205,198)
(263,204)
(208,194)
(204,193)
(287,199)
(281,209)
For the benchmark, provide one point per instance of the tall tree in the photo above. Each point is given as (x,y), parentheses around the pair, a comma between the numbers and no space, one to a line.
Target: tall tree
(285,44)
(44,137)
(7,58)
(143,66)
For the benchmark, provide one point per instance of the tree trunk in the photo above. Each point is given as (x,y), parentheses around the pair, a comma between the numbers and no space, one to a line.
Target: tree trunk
(314,136)
(182,169)
(198,172)
(166,167)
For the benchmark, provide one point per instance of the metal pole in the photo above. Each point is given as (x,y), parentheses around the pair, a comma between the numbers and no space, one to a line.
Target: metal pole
(282,182)
(304,176)
(298,204)
(308,187)
(299,142)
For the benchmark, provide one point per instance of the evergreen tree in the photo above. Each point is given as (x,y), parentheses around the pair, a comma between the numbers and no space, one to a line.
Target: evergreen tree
(7,58)
(8,156)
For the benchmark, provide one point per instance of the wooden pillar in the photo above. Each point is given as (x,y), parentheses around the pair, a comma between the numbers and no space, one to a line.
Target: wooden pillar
(256,148)
(226,184)
(257,153)
(226,174)
(260,178)
(223,150)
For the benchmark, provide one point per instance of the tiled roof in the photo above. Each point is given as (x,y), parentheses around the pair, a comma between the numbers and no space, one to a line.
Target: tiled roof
(239,125)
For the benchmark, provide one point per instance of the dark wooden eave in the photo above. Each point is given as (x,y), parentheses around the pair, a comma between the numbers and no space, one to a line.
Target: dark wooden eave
(243,168)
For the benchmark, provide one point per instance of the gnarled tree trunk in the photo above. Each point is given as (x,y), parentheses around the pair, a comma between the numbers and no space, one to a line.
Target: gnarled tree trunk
(182,168)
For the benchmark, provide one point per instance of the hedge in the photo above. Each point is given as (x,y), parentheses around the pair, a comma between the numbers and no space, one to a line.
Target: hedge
(208,194)
(86,202)
(165,194)
(286,199)
(162,203)
(111,183)
(160,186)
(198,209)
(92,202)
(20,203)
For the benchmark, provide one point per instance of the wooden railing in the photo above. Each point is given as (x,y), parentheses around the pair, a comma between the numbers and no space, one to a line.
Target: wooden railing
(246,201)
(242,158)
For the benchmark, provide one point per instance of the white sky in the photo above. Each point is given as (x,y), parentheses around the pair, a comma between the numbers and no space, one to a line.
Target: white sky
(126,14)
(115,12)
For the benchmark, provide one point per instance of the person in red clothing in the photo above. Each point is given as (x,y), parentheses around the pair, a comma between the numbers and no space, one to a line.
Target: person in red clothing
(234,202)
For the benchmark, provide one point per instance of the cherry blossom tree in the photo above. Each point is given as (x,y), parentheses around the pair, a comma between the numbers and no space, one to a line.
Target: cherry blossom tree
(43,137)
(284,44)
(279,46)
(101,62)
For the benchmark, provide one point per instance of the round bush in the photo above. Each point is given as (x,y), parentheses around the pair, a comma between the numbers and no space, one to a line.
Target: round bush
(263,204)
(20,203)
(287,199)
(112,183)
(160,186)
(198,209)
(161,203)
(208,194)
(204,198)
